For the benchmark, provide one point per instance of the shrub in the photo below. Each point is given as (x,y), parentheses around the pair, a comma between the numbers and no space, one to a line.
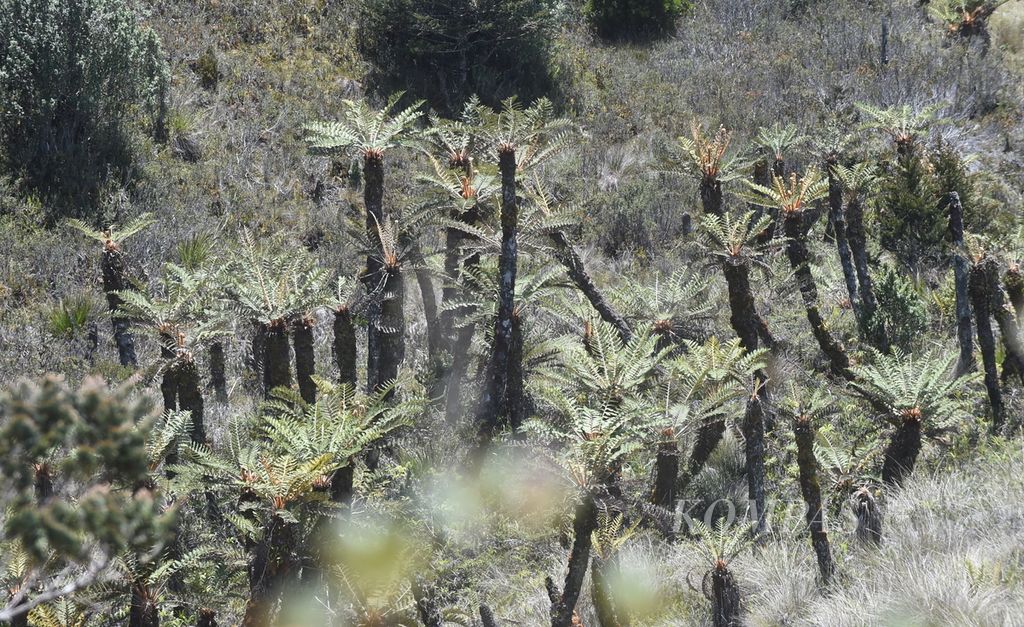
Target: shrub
(444,51)
(70,73)
(901,315)
(628,18)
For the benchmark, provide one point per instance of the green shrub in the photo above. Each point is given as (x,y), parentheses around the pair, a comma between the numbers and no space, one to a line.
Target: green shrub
(444,51)
(901,315)
(71,72)
(629,18)
(912,224)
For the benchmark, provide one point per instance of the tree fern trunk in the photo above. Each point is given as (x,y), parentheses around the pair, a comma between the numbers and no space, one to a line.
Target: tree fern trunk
(169,378)
(837,218)
(345,346)
(271,565)
(869,517)
(961,273)
(434,339)
(568,257)
(218,379)
(857,237)
(901,453)
(487,616)
(742,314)
(453,251)
(796,252)
(190,396)
(460,366)
(584,524)
(373,199)
(276,357)
(305,357)
(115,279)
(392,331)
(666,471)
(603,594)
(144,611)
(495,386)
(426,603)
(754,447)
(810,488)
(515,397)
(1013,280)
(711,196)
(709,434)
(206,618)
(978,288)
(725,598)
(258,352)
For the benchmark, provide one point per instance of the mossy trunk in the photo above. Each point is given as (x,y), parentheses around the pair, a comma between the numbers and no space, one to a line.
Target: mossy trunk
(837,218)
(345,346)
(666,472)
(190,396)
(961,272)
(573,263)
(810,489)
(754,449)
(277,370)
(271,565)
(489,416)
(799,261)
(902,451)
(978,290)
(305,357)
(391,342)
(218,377)
(143,611)
(584,524)
(858,240)
(725,598)
(115,279)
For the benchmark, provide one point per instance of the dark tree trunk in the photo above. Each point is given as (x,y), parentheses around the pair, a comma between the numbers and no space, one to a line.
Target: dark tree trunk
(978,289)
(515,397)
(258,352)
(190,396)
(115,279)
(342,488)
(837,218)
(869,517)
(725,598)
(857,237)
(754,448)
(742,315)
(271,565)
(43,483)
(583,526)
(277,370)
(218,378)
(426,603)
(796,252)
(453,251)
(1014,282)
(373,199)
(169,379)
(206,618)
(496,384)
(810,488)
(305,357)
(608,614)
(391,335)
(434,339)
(460,365)
(901,453)
(144,611)
(666,471)
(487,616)
(961,271)
(568,257)
(345,346)
(711,196)
(709,434)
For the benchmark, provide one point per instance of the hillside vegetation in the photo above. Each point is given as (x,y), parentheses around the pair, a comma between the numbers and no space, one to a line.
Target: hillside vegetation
(511,312)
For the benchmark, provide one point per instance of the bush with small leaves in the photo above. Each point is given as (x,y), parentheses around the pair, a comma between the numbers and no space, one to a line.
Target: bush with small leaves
(630,18)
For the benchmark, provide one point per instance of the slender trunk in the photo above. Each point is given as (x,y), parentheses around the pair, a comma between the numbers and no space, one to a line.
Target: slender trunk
(206,618)
(169,379)
(43,483)
(487,616)
(603,594)
(190,396)
(218,379)
(373,199)
(391,335)
(434,338)
(452,259)
(345,346)
(978,288)
(725,597)
(568,257)
(277,370)
(144,611)
(515,397)
(754,448)
(869,517)
(495,391)
(837,218)
(115,279)
(460,365)
(961,273)
(901,453)
(1009,328)
(305,357)
(666,471)
(810,488)
(857,237)
(796,251)
(709,434)
(271,565)
(258,348)
(583,526)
